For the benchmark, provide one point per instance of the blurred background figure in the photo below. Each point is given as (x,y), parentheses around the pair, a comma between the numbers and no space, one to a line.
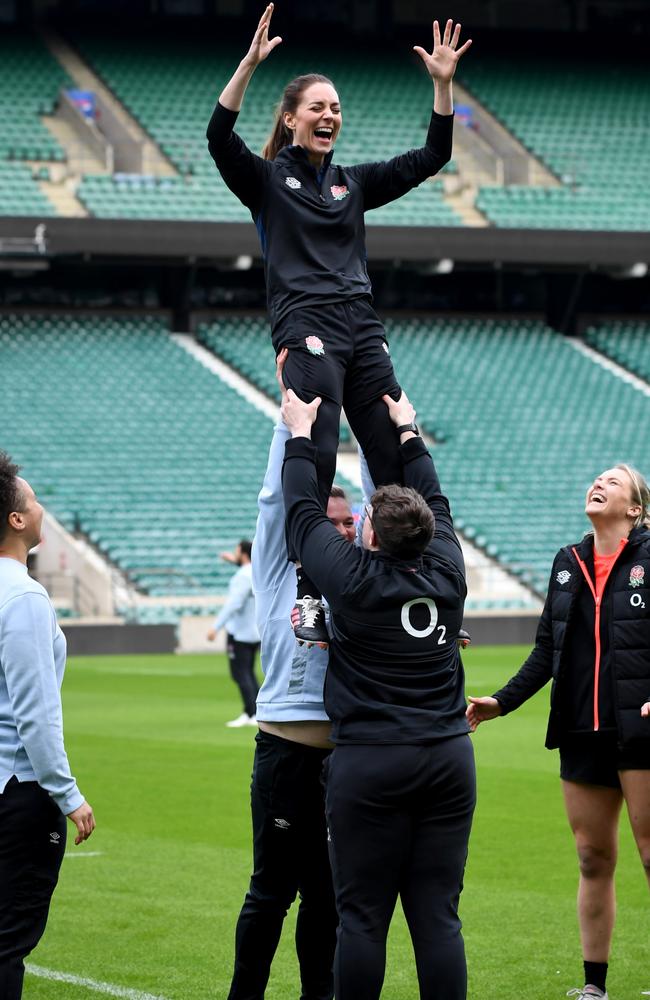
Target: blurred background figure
(237,616)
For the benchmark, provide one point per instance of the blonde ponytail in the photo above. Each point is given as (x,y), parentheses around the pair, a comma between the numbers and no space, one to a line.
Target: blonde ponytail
(640,494)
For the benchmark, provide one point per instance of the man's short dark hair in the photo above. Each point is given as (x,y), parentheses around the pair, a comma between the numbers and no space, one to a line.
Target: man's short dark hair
(338,493)
(246,547)
(10,494)
(402,521)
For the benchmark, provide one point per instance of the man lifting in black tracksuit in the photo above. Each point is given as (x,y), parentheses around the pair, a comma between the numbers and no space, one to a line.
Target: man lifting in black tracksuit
(400,781)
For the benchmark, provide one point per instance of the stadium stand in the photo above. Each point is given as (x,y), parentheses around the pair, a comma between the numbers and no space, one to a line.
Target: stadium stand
(30,80)
(126,440)
(172,95)
(625,341)
(587,121)
(527,421)
(508,402)
(20,195)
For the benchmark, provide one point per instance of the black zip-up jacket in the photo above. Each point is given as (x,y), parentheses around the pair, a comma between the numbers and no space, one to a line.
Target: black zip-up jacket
(610,667)
(394,674)
(311,226)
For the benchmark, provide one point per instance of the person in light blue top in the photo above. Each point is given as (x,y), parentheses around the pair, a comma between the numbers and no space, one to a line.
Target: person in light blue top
(237,616)
(289,834)
(37,789)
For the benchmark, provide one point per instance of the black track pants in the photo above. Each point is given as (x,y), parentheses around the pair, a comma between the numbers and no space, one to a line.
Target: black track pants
(290,857)
(399,820)
(338,351)
(241,658)
(32,845)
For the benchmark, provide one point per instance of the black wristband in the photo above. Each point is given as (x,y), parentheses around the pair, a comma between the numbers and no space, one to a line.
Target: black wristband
(413,427)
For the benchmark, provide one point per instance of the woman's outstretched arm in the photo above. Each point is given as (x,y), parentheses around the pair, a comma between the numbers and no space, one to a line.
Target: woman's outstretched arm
(232,95)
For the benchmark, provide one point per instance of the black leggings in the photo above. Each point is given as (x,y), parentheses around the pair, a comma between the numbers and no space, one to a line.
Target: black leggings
(32,845)
(399,819)
(290,857)
(241,658)
(338,351)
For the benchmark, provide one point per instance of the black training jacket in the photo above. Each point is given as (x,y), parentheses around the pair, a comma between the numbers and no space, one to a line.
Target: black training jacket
(600,675)
(394,674)
(312,231)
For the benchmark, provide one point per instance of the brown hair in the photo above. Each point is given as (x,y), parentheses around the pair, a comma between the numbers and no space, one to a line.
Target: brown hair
(338,493)
(402,521)
(281,136)
(640,494)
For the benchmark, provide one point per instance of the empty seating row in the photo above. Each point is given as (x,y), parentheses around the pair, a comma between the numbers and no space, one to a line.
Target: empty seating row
(624,341)
(586,119)
(126,440)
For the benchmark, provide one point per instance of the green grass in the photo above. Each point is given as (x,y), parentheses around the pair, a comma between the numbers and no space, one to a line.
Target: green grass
(169,784)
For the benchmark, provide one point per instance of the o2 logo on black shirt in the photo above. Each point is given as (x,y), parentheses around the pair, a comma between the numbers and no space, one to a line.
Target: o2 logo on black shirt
(423,633)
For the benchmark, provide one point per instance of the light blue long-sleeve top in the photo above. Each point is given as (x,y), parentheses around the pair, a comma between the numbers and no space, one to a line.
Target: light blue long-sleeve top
(294,675)
(237,615)
(32,663)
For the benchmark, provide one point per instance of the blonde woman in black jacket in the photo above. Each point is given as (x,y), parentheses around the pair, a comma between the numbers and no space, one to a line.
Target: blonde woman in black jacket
(593,641)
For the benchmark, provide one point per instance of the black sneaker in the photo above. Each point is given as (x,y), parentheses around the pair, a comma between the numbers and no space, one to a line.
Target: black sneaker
(464,639)
(308,622)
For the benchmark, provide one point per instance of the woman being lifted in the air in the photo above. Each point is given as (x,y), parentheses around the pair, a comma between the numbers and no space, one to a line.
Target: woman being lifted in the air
(309,214)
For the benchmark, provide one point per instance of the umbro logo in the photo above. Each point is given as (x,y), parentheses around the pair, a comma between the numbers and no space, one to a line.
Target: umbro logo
(282,824)
(55,837)
(563,576)
(292,182)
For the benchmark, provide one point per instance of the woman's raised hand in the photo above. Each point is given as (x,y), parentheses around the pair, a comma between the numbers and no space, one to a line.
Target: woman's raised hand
(441,63)
(262,46)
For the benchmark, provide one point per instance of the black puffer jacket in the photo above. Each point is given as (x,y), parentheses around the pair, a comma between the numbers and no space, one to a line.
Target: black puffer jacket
(623,639)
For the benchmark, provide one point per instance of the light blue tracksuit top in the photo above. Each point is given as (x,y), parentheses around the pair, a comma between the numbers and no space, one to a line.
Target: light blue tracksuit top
(292,690)
(32,663)
(238,613)
(294,675)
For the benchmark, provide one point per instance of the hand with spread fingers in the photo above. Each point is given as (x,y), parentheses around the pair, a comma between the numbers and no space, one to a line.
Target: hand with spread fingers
(442,61)
(262,45)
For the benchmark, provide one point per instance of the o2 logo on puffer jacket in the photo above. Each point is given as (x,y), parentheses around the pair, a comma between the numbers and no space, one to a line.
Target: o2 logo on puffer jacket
(339,191)
(637,576)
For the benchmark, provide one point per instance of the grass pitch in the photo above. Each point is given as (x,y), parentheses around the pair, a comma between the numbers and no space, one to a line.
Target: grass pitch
(149,904)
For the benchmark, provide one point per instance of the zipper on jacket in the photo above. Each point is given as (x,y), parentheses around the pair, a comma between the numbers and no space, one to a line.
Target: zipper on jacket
(597,602)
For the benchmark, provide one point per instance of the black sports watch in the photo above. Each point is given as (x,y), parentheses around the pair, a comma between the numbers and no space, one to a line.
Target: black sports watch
(409,427)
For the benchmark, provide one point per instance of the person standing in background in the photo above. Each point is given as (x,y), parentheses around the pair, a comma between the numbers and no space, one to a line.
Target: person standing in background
(37,789)
(237,616)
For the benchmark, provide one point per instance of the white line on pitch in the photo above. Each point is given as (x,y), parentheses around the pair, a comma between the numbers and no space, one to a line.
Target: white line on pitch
(83,854)
(91,984)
